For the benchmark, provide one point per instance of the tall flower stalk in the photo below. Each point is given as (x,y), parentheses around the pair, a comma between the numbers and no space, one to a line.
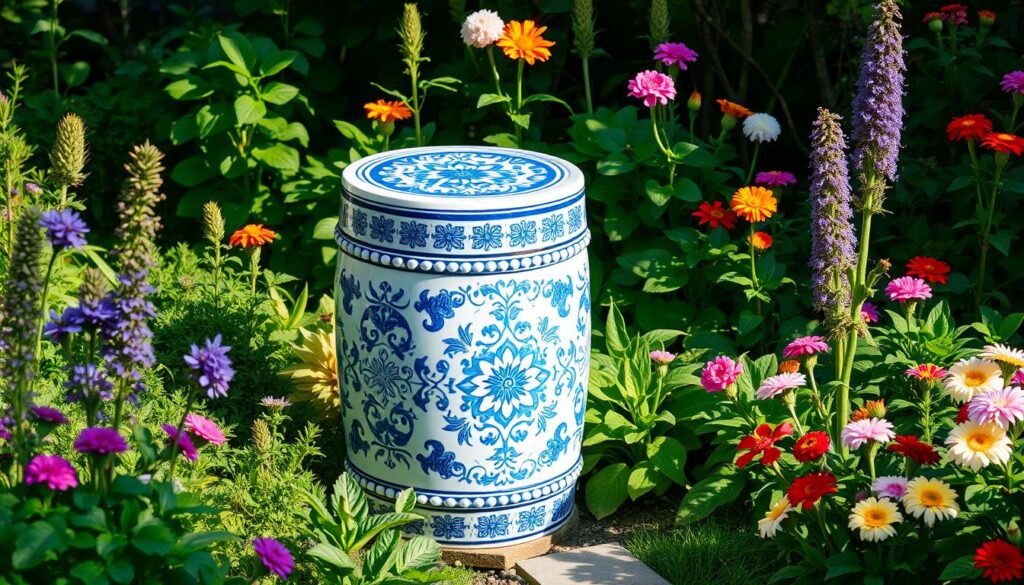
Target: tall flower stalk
(411,33)
(213,232)
(583,21)
(68,156)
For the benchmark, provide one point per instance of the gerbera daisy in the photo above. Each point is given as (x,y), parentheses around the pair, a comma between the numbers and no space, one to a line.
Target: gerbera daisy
(662,357)
(775,178)
(970,377)
(805,346)
(930,269)
(523,40)
(1003,353)
(908,288)
(733,110)
(861,432)
(1013,82)
(975,445)
(762,443)
(788,366)
(927,372)
(770,525)
(1004,142)
(931,499)
(252,235)
(204,428)
(969,127)
(811,446)
(772,386)
(869,312)
(1003,407)
(761,240)
(999,561)
(875,518)
(385,111)
(890,486)
(930,16)
(315,376)
(715,215)
(806,490)
(912,448)
(1018,378)
(754,203)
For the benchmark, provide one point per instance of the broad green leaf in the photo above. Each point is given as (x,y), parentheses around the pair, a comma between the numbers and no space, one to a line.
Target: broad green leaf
(607,490)
(248,110)
(238,50)
(419,552)
(334,557)
(843,563)
(642,479)
(710,493)
(37,542)
(960,568)
(280,156)
(668,456)
(191,171)
(324,229)
(153,538)
(489,99)
(188,88)
(277,62)
(279,93)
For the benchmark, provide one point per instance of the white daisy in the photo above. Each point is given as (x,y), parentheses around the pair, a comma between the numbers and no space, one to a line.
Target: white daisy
(971,377)
(1003,353)
(770,525)
(875,518)
(761,128)
(975,446)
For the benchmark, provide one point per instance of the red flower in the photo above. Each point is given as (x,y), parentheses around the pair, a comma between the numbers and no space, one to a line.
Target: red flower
(811,446)
(1004,142)
(910,446)
(1000,560)
(810,488)
(955,13)
(930,269)
(761,240)
(930,16)
(969,127)
(987,17)
(962,416)
(716,215)
(762,442)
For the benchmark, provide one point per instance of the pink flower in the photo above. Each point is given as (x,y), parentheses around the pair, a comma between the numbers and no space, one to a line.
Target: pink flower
(675,54)
(50,415)
(720,373)
(1003,407)
(926,372)
(100,441)
(908,288)
(1013,82)
(1018,378)
(662,357)
(890,486)
(184,443)
(863,431)
(204,428)
(52,470)
(869,312)
(805,346)
(652,87)
(772,386)
(775,178)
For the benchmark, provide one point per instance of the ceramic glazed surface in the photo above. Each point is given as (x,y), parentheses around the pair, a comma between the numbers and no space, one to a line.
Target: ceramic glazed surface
(464,337)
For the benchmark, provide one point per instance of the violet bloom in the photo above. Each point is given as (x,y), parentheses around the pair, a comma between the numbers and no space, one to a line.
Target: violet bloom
(33,189)
(720,373)
(1018,378)
(182,440)
(773,386)
(274,556)
(652,87)
(805,346)
(861,432)
(100,441)
(890,486)
(908,288)
(52,470)
(64,228)
(869,312)
(211,367)
(775,178)
(87,381)
(1013,82)
(662,357)
(675,54)
(49,415)
(275,403)
(60,326)
(1002,407)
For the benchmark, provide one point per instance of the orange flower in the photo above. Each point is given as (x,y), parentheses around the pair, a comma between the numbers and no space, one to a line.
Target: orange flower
(523,40)
(789,367)
(386,111)
(732,109)
(252,236)
(859,414)
(761,240)
(754,203)
(1004,142)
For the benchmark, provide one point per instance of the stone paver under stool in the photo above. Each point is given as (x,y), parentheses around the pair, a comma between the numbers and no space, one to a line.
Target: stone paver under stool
(595,565)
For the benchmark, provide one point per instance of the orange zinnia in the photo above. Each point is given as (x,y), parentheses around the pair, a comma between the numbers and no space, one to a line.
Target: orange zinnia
(760,240)
(523,40)
(789,367)
(732,109)
(754,203)
(252,235)
(386,111)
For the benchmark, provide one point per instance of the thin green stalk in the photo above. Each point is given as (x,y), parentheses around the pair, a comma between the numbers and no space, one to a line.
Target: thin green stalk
(979,291)
(494,70)
(753,163)
(519,102)
(414,75)
(216,275)
(926,411)
(42,302)
(975,171)
(586,84)
(753,264)
(859,285)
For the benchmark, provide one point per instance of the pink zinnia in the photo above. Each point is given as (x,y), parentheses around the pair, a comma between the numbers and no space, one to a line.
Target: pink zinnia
(908,288)
(926,372)
(1003,407)
(50,415)
(662,357)
(52,470)
(204,428)
(652,87)
(100,441)
(675,54)
(805,346)
(188,449)
(1018,378)
(720,373)
(890,486)
(775,178)
(772,386)
(869,312)
(274,556)
(1013,82)
(864,431)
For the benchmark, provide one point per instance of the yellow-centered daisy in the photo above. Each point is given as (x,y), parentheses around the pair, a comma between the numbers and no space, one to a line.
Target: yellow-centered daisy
(1003,353)
(975,445)
(971,377)
(770,525)
(874,519)
(930,499)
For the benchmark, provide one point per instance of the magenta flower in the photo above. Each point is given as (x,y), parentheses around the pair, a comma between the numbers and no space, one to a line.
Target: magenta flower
(188,449)
(720,373)
(775,178)
(869,312)
(890,486)
(1018,378)
(652,87)
(662,357)
(1013,82)
(100,441)
(929,372)
(274,556)
(772,386)
(50,415)
(1003,407)
(675,54)
(908,288)
(805,346)
(204,428)
(52,470)
(861,432)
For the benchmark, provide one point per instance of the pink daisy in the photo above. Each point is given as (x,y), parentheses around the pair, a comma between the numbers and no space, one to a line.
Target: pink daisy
(772,386)
(890,486)
(1018,378)
(675,54)
(908,288)
(1003,407)
(861,432)
(204,428)
(926,372)
(869,312)
(188,449)
(720,373)
(775,178)
(662,357)
(805,346)
(1013,82)
(652,87)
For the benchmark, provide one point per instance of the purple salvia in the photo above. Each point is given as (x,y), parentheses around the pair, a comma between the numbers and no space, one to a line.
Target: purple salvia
(832,239)
(878,106)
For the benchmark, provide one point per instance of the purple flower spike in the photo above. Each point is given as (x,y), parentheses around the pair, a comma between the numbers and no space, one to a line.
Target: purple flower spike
(64,228)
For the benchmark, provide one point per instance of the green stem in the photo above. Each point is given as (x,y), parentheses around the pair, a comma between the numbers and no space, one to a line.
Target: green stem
(753,163)
(216,275)
(254,264)
(975,171)
(926,411)
(413,75)
(181,424)
(494,70)
(44,306)
(519,102)
(859,294)
(753,264)
(586,84)
(980,290)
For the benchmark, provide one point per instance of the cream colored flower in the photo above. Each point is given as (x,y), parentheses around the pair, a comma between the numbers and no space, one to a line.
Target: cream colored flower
(970,377)
(1003,353)
(930,499)
(482,28)
(316,375)
(770,525)
(874,519)
(975,445)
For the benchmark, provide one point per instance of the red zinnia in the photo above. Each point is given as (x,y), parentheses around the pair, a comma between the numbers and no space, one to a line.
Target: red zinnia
(910,446)
(811,446)
(964,415)
(716,215)
(1004,142)
(807,490)
(930,269)
(969,127)
(930,16)
(762,442)
(1000,560)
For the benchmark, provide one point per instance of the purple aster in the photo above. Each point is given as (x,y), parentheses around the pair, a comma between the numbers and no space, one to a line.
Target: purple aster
(87,381)
(211,367)
(1013,82)
(184,442)
(274,556)
(1003,407)
(275,403)
(878,105)
(64,228)
(775,178)
(64,324)
(52,470)
(97,312)
(869,312)
(33,189)
(100,441)
(50,415)
(675,54)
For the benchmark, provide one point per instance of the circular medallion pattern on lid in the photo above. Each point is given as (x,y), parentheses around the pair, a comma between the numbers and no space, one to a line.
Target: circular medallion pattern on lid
(462,173)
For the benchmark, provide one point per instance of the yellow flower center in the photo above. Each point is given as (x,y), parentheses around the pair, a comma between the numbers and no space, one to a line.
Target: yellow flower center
(980,441)
(932,498)
(876,518)
(975,378)
(967,122)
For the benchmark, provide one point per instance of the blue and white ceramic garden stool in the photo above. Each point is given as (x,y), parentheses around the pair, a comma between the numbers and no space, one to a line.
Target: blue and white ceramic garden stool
(463,307)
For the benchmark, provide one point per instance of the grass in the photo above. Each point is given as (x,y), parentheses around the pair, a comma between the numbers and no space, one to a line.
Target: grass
(723,549)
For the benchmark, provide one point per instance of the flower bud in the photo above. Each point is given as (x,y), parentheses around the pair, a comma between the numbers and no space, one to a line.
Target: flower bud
(728,122)
(876,408)
(213,223)
(1013,533)
(935,25)
(694,102)
(583,27)
(68,155)
(659,23)
(986,17)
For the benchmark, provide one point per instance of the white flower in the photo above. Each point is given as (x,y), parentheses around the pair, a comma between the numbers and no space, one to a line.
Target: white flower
(930,499)
(874,519)
(1003,353)
(975,446)
(770,525)
(482,28)
(968,378)
(761,128)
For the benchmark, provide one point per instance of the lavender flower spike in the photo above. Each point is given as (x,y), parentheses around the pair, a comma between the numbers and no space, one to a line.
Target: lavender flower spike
(878,106)
(833,242)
